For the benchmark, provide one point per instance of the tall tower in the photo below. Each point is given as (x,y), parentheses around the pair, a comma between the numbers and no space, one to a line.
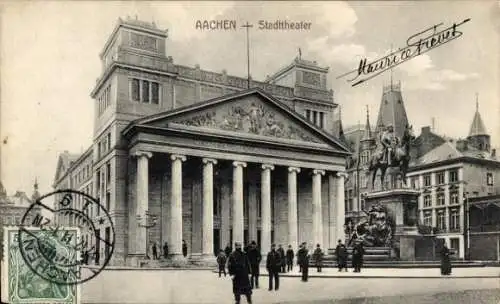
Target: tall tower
(392,110)
(478,137)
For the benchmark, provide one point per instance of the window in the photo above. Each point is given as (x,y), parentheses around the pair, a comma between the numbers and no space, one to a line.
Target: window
(427,201)
(454,219)
(362,180)
(308,114)
(454,198)
(428,218)
(145,91)
(108,141)
(315,117)
(489,179)
(427,180)
(455,245)
(321,119)
(453,176)
(108,201)
(440,199)
(414,182)
(216,201)
(104,99)
(441,224)
(108,174)
(440,178)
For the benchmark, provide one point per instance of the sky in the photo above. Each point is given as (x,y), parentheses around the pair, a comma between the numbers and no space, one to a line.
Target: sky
(50,61)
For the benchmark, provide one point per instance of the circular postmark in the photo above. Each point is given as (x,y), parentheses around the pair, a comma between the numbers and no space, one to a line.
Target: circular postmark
(76,232)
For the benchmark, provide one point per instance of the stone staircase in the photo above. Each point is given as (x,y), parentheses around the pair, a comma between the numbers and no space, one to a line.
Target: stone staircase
(380,257)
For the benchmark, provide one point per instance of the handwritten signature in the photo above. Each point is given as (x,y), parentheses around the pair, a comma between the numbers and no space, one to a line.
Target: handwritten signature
(416,45)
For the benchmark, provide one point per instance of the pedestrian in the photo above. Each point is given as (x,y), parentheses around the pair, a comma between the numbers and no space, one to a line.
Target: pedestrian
(96,256)
(273,266)
(228,249)
(165,250)
(154,249)
(281,252)
(318,257)
(300,256)
(254,257)
(305,263)
(184,248)
(239,269)
(289,258)
(221,261)
(445,260)
(357,256)
(341,254)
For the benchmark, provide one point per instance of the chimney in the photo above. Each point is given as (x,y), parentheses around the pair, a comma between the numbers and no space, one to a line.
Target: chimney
(426,130)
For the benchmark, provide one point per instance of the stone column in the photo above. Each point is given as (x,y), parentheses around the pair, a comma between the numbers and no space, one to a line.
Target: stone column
(142,199)
(316,201)
(175,246)
(252,212)
(332,212)
(340,220)
(265,195)
(208,207)
(238,224)
(292,207)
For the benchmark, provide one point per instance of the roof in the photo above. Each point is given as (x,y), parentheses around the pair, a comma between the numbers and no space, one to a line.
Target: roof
(448,152)
(65,161)
(334,141)
(477,127)
(392,110)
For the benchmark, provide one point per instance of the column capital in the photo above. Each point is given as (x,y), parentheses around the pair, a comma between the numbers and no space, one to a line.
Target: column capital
(342,174)
(209,160)
(317,171)
(177,156)
(267,166)
(294,169)
(239,164)
(143,154)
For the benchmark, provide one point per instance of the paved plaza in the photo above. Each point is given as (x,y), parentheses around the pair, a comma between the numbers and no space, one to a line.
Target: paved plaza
(204,286)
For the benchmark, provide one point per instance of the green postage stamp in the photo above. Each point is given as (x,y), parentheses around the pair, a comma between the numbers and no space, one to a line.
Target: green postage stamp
(39,265)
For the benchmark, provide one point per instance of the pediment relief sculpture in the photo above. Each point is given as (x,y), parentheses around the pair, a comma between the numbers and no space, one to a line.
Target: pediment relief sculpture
(254,119)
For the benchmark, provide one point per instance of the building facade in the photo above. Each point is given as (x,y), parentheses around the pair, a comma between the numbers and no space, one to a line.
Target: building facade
(484,228)
(444,170)
(207,157)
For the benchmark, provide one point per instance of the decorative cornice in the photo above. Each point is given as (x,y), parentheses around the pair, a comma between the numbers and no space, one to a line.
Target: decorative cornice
(342,174)
(175,157)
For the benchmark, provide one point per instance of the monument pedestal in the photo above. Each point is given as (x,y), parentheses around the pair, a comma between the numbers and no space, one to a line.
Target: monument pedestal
(401,208)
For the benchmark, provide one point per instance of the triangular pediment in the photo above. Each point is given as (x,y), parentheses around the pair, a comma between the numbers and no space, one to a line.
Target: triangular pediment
(252,113)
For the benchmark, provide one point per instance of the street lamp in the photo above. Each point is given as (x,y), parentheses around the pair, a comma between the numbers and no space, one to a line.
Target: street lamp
(147,221)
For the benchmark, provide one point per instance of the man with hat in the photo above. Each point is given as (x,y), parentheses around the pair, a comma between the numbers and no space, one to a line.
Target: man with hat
(254,257)
(239,269)
(273,266)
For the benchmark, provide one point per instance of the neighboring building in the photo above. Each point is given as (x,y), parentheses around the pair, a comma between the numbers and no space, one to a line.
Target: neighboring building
(165,135)
(484,227)
(442,168)
(13,208)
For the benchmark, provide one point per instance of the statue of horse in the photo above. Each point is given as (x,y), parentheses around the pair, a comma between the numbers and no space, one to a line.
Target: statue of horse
(399,158)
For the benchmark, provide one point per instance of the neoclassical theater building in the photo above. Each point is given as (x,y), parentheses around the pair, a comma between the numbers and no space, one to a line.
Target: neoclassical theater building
(180,153)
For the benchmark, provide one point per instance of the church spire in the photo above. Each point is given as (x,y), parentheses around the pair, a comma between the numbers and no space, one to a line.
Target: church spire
(367,132)
(477,127)
(36,194)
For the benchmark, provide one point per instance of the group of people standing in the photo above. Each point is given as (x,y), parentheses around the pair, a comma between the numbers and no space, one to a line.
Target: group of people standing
(156,255)
(357,256)
(244,266)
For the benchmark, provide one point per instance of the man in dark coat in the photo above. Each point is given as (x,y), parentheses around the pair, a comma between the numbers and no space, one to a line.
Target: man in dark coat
(289,258)
(165,250)
(221,261)
(301,254)
(281,252)
(318,257)
(273,266)
(357,256)
(341,254)
(254,257)
(239,269)
(445,260)
(305,263)
(155,251)
(228,249)
(184,248)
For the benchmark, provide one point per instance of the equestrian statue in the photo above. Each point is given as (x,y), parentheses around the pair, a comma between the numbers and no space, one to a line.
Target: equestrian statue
(391,152)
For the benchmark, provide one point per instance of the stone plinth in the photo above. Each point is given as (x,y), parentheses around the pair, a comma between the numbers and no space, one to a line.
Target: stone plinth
(402,206)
